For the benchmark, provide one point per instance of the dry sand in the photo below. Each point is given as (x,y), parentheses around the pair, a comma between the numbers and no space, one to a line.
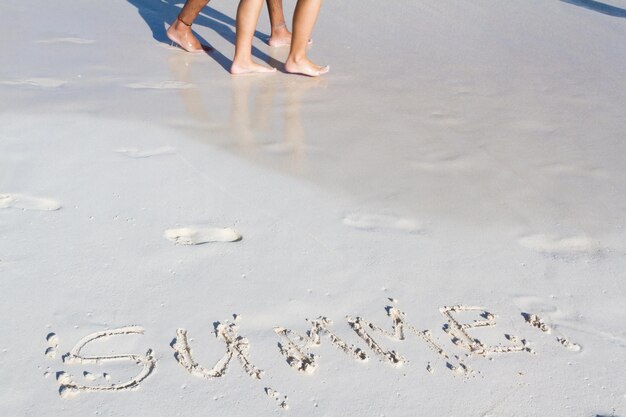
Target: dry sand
(436,228)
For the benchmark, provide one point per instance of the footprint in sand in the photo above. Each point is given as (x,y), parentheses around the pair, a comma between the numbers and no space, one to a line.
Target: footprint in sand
(25,202)
(445,117)
(440,166)
(37,82)
(161,85)
(373,222)
(572,170)
(198,236)
(439,162)
(138,153)
(554,245)
(76,41)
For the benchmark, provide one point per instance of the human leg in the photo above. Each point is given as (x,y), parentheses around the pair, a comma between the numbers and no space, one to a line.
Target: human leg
(180,31)
(304,19)
(248,14)
(280,35)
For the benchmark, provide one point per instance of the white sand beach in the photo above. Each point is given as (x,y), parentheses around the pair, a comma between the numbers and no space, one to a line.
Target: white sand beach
(435,228)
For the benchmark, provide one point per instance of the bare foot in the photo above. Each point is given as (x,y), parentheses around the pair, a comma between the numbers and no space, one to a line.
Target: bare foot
(281,37)
(249,67)
(276,41)
(183,36)
(305,67)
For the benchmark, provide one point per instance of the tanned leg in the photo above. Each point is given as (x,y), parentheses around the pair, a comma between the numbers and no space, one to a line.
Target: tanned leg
(280,35)
(248,14)
(304,19)
(180,31)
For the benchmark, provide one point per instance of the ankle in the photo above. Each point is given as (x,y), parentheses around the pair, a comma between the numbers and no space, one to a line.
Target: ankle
(179,25)
(296,58)
(280,30)
(240,60)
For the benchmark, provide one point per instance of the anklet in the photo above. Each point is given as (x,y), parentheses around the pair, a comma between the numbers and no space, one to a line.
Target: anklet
(282,25)
(183,22)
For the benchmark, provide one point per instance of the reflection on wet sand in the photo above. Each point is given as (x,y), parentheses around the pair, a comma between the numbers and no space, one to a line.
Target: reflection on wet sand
(420,154)
(265,113)
(180,65)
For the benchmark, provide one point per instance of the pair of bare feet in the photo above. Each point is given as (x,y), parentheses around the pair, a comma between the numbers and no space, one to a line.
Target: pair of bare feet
(182,35)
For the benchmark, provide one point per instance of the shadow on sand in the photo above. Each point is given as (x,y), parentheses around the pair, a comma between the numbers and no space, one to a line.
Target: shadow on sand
(158,15)
(599,7)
